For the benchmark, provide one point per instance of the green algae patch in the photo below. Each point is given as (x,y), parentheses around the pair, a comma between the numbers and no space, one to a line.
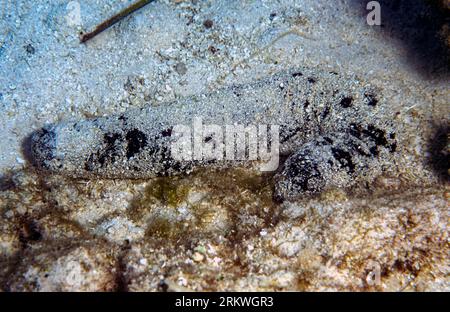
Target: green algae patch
(161,227)
(168,191)
(208,203)
(165,191)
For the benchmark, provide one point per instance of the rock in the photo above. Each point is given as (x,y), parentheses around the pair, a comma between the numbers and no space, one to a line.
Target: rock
(84,268)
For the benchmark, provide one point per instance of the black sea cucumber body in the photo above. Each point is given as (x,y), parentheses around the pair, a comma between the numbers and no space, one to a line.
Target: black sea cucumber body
(333,128)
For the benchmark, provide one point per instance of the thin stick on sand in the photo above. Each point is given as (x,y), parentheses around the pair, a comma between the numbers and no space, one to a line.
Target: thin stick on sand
(113,20)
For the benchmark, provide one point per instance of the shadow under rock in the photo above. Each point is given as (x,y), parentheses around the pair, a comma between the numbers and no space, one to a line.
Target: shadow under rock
(416,24)
(439,153)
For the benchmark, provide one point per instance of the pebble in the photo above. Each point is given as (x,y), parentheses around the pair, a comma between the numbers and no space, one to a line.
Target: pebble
(181,68)
(198,257)
(143,261)
(20,160)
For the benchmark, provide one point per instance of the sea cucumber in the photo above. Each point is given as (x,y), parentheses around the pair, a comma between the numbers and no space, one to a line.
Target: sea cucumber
(333,130)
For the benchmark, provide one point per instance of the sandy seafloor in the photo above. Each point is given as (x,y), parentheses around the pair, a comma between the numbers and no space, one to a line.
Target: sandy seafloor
(218,231)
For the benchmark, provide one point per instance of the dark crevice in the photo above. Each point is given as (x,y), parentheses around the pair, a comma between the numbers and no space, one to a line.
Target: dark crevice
(120,277)
(439,150)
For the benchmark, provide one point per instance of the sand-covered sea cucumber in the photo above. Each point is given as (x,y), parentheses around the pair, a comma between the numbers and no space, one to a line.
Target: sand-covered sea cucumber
(333,128)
